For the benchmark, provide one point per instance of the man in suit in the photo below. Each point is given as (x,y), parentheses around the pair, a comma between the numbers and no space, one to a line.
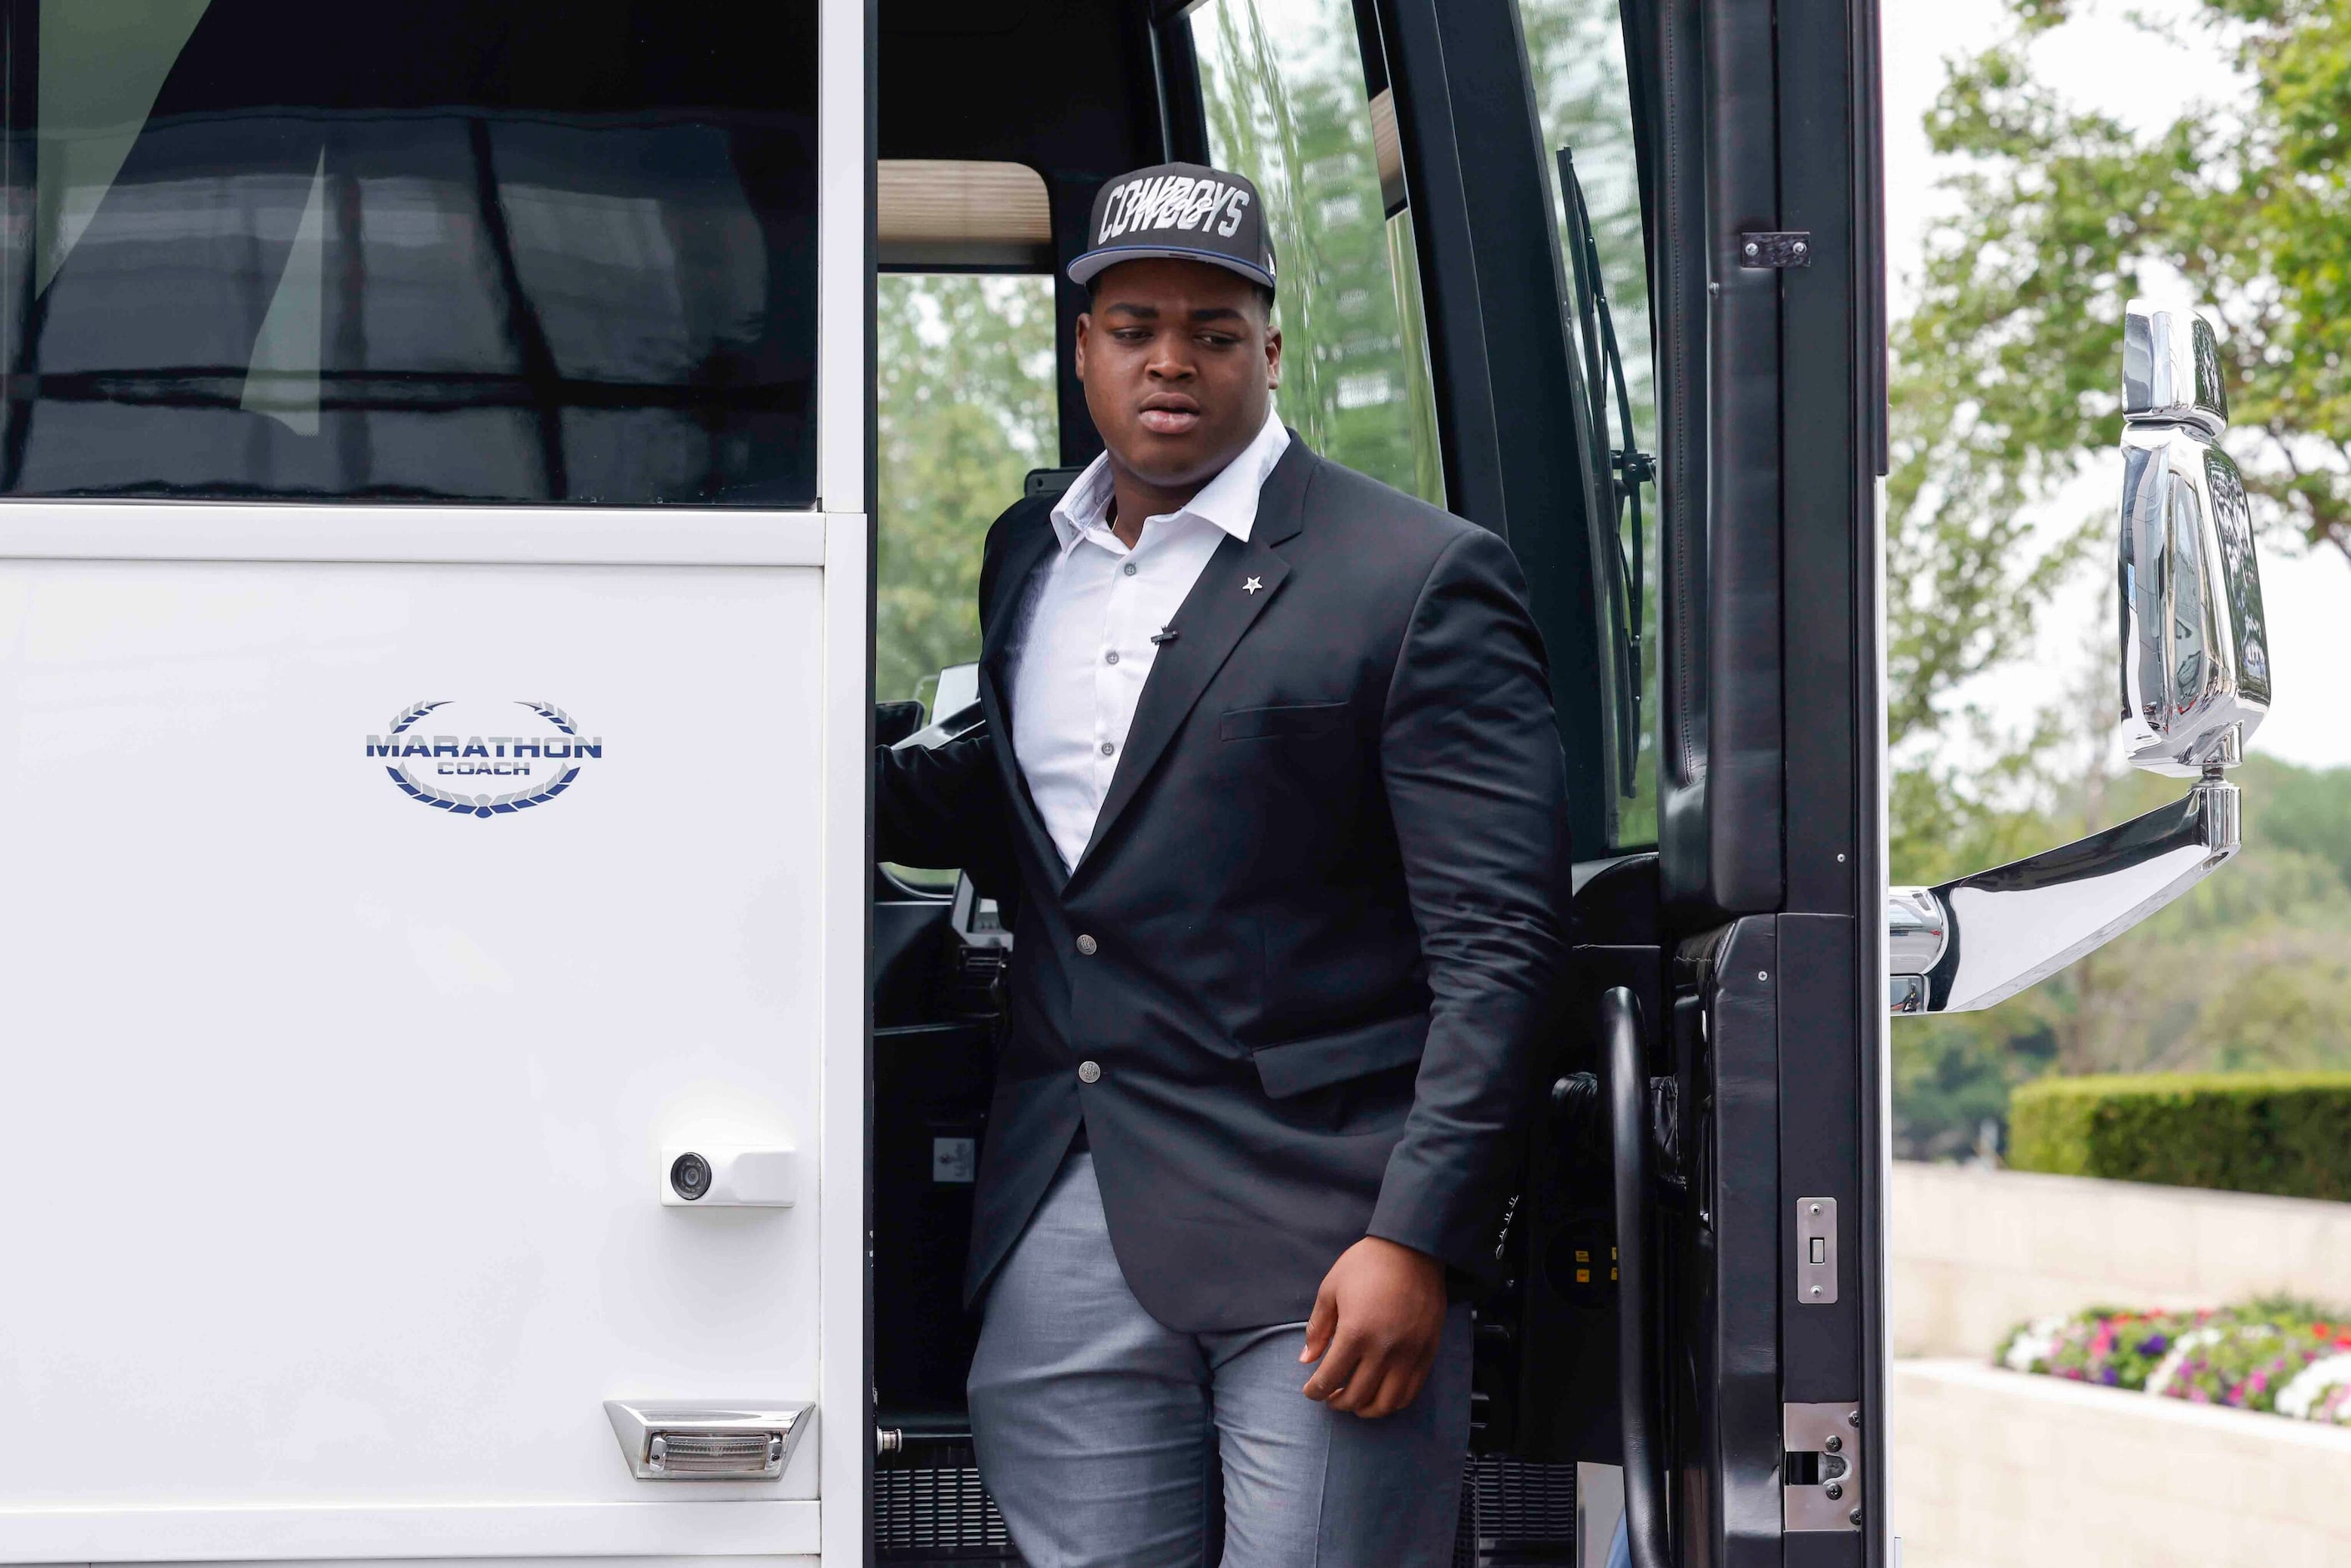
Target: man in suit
(1271,777)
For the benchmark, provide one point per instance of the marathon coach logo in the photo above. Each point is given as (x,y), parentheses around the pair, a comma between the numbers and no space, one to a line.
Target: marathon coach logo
(447,772)
(1173,202)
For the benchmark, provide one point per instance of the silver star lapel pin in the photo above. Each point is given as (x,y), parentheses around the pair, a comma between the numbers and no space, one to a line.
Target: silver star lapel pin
(1251,586)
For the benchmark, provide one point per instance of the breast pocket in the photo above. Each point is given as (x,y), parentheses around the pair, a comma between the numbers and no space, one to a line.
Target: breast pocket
(1289,718)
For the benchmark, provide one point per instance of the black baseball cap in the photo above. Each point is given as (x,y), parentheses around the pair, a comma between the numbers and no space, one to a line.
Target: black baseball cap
(1185,211)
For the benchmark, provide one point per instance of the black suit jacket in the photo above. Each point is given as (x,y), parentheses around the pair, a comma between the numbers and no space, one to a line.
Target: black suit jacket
(1313,942)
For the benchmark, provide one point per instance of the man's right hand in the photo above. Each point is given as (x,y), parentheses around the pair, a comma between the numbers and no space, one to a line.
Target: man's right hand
(1377,1322)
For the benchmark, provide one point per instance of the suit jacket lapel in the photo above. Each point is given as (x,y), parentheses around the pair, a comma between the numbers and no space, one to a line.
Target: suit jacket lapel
(1022,557)
(1001,613)
(1233,590)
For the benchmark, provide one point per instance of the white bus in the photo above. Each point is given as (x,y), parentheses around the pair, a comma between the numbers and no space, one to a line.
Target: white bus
(470,1095)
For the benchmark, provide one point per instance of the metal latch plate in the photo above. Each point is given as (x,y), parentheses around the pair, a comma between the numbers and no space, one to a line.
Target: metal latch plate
(1822,1483)
(1816,1252)
(1776,247)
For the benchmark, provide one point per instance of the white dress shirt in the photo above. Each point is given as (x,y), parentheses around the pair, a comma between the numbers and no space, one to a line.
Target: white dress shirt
(1082,648)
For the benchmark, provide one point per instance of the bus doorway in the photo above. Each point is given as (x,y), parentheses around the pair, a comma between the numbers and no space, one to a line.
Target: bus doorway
(975,405)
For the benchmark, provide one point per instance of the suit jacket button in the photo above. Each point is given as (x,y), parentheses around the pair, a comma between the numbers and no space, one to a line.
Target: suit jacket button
(1088,1071)
(1086,945)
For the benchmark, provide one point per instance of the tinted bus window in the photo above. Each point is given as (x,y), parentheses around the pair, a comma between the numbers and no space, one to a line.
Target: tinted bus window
(1283,85)
(485,250)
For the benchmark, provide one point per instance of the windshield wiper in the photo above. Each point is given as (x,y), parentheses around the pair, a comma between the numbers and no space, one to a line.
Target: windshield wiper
(1629,467)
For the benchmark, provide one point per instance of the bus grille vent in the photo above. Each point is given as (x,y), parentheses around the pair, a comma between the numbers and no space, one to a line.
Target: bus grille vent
(1516,1513)
(937,1512)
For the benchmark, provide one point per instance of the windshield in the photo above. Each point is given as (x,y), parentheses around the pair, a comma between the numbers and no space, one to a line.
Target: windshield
(1576,57)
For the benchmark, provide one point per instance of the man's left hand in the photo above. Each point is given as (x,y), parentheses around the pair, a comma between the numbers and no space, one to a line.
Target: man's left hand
(1377,1322)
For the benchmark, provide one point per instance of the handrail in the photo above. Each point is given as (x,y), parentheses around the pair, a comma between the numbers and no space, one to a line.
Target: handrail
(1626,1081)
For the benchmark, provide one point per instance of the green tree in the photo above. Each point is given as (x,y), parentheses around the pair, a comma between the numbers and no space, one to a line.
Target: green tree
(965,408)
(2005,388)
(2007,380)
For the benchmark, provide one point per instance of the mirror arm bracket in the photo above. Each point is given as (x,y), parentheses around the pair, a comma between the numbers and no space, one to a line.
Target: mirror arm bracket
(1971,942)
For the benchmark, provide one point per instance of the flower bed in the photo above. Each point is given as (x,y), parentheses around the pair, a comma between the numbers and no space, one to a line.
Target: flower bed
(2287,1358)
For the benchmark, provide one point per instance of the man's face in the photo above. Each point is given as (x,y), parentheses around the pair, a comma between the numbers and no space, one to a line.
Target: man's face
(1178,360)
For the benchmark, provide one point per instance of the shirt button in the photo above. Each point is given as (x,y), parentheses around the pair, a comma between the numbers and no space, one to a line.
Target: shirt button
(1130,569)
(1107,749)
(1086,945)
(1111,657)
(1088,1071)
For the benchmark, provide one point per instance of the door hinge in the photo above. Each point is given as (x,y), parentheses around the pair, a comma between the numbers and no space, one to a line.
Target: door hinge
(1776,248)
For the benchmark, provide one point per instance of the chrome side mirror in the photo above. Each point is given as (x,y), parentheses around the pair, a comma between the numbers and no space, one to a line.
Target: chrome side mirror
(2195,682)
(2195,646)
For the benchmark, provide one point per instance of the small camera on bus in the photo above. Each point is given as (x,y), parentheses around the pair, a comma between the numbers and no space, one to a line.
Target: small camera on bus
(689,1177)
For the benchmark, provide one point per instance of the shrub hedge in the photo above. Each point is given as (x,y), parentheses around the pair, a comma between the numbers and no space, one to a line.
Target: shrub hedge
(2282,1132)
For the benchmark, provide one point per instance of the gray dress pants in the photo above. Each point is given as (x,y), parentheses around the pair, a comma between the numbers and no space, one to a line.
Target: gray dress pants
(1097,1428)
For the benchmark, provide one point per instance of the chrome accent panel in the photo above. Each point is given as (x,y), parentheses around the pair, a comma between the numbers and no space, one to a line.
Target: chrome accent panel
(676,1442)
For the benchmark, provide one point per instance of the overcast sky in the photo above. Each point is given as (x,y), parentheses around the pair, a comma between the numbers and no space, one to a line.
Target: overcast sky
(2104,62)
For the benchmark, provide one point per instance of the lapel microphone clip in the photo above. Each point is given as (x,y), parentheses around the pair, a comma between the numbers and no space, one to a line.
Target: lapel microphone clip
(1165,634)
